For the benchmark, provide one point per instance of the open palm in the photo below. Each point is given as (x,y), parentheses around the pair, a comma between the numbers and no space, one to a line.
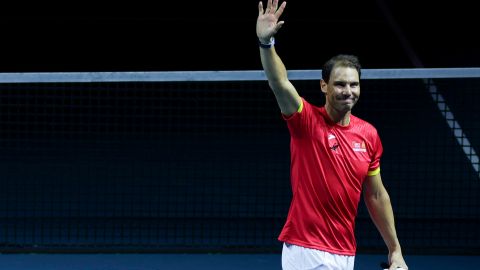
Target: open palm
(267,21)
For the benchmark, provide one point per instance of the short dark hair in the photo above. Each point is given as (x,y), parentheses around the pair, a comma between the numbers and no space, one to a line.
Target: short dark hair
(342,60)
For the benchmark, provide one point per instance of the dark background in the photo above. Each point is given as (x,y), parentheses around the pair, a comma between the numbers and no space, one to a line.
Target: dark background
(220,35)
(204,166)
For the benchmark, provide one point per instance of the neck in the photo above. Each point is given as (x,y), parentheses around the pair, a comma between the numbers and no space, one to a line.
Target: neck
(339,117)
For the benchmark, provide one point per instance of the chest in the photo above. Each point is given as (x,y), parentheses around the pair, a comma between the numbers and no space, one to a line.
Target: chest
(342,143)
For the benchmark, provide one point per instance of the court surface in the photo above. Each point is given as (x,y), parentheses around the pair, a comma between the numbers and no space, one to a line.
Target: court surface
(206,261)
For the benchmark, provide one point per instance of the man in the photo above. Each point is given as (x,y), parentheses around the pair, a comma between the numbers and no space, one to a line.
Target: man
(334,156)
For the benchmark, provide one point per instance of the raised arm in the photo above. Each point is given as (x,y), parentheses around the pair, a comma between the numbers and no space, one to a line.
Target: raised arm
(379,206)
(267,26)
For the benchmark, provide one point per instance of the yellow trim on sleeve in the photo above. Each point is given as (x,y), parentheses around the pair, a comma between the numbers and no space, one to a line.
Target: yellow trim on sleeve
(374,172)
(301,107)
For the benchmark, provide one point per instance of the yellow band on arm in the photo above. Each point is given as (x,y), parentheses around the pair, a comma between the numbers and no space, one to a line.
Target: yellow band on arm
(374,172)
(301,107)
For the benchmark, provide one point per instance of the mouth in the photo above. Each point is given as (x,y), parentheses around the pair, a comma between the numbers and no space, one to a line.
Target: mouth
(348,101)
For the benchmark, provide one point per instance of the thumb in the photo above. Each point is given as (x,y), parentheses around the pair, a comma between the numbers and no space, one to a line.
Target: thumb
(279,25)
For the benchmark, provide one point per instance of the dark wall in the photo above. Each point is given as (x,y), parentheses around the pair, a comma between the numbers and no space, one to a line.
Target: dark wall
(220,35)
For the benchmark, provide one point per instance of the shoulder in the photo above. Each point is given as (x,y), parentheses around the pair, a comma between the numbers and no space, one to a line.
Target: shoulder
(363,126)
(311,108)
(306,108)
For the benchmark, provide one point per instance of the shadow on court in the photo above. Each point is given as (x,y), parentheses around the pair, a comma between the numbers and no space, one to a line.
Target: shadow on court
(205,261)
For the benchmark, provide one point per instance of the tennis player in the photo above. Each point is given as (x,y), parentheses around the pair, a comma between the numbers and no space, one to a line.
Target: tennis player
(334,157)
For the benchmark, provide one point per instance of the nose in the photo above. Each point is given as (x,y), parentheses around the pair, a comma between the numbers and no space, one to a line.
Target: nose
(347,90)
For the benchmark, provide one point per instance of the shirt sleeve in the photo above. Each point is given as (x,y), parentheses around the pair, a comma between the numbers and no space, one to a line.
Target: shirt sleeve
(298,122)
(377,151)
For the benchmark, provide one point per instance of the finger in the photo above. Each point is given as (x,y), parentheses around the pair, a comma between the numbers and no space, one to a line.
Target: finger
(281,9)
(260,8)
(269,6)
(275,5)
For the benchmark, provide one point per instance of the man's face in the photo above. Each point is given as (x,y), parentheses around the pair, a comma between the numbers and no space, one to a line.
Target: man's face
(343,89)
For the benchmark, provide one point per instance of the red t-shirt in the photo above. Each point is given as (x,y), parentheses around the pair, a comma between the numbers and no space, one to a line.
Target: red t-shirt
(329,163)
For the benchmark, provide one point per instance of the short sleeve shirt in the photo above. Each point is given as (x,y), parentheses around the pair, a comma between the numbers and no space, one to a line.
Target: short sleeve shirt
(329,163)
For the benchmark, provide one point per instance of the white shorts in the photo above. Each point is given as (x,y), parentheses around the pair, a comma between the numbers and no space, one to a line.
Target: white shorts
(300,258)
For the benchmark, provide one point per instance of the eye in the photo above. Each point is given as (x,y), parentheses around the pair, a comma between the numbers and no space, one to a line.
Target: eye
(340,84)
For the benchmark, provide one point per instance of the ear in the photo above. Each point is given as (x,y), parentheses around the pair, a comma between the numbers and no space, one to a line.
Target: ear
(323,86)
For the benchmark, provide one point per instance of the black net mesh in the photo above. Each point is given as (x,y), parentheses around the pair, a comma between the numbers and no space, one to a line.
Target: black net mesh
(204,166)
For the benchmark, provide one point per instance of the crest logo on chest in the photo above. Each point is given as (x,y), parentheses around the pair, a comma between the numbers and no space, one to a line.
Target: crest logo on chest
(359,147)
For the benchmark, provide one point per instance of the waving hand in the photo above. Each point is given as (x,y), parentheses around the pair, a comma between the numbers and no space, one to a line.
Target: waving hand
(267,21)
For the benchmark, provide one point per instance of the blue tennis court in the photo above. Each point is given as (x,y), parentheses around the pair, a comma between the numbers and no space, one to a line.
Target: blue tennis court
(205,261)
